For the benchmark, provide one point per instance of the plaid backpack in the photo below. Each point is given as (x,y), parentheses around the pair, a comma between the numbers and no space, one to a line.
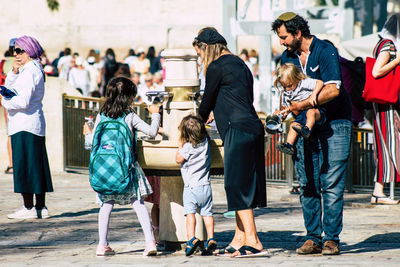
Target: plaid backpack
(111,169)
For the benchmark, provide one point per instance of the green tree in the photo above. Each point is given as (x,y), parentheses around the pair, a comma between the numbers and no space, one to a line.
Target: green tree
(53,5)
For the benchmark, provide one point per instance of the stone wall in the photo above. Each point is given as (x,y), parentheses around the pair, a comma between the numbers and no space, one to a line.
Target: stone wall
(100,24)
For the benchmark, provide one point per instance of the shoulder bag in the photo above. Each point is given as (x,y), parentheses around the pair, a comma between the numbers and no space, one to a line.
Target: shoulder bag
(385,89)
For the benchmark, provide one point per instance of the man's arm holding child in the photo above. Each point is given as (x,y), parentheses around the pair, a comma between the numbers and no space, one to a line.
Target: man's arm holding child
(317,89)
(328,93)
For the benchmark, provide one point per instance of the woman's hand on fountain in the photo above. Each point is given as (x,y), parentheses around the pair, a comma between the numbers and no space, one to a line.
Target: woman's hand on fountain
(210,118)
(153,108)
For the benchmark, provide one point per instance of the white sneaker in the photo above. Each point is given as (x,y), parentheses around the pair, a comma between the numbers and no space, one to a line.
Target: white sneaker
(43,213)
(150,249)
(23,213)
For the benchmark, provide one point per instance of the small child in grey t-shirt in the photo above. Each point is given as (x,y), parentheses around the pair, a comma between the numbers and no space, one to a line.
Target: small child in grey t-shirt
(297,87)
(194,156)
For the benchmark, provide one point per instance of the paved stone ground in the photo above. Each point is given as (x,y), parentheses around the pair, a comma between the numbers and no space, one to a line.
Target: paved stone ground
(371,234)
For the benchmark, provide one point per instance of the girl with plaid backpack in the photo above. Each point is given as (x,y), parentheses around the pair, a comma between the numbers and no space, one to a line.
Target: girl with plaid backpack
(118,109)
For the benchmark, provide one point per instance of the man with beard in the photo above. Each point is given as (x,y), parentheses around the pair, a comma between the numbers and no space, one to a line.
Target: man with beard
(320,161)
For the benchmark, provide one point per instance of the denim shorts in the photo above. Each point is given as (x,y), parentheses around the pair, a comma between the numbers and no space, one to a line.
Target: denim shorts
(199,197)
(302,117)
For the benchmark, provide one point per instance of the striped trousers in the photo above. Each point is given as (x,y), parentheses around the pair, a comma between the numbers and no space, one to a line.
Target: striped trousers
(386,143)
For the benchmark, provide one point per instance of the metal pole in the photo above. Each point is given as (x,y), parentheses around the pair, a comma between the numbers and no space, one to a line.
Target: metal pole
(392,189)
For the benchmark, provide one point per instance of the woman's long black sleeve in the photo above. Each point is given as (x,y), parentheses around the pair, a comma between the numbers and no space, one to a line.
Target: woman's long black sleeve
(213,80)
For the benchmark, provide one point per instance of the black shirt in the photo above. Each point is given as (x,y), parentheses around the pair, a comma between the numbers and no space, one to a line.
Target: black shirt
(229,93)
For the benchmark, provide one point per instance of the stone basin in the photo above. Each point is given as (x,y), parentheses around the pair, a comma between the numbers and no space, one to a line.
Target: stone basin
(157,157)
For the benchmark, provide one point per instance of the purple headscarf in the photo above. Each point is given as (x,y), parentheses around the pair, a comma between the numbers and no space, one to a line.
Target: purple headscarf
(30,45)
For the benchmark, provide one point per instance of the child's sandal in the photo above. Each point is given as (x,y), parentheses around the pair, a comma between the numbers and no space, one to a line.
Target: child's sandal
(303,130)
(191,246)
(209,246)
(285,148)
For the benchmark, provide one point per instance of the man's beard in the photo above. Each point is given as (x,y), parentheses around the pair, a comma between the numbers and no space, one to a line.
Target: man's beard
(295,46)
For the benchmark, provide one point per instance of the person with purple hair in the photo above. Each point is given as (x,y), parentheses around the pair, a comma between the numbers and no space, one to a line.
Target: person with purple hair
(26,126)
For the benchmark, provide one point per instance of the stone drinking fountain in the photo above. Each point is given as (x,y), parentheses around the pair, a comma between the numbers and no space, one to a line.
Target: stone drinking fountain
(157,156)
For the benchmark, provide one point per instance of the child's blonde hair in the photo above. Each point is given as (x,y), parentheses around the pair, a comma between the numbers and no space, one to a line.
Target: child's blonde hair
(288,72)
(193,130)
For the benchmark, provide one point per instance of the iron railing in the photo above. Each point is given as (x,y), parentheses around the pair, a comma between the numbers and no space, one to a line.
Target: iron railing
(75,109)
(279,167)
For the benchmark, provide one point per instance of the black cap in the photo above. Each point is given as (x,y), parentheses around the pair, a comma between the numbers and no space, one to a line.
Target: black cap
(209,36)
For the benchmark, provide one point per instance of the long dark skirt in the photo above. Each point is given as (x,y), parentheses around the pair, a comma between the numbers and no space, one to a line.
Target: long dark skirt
(244,170)
(30,164)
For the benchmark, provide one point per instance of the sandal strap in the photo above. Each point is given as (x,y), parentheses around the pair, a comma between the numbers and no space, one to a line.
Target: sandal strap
(190,242)
(227,249)
(243,250)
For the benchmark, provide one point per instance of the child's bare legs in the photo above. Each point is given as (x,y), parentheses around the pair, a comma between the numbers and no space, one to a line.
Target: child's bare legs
(313,115)
(104,219)
(209,223)
(288,147)
(190,225)
(292,134)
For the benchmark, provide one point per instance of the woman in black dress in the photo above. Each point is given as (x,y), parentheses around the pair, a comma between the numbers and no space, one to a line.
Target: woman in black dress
(228,97)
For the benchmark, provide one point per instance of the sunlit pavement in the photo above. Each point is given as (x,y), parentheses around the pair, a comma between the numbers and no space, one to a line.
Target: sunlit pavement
(371,234)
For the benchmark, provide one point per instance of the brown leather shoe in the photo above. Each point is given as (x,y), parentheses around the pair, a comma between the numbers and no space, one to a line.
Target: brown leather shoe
(309,247)
(331,248)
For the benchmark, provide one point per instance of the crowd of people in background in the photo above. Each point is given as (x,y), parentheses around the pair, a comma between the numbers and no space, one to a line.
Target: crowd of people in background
(90,74)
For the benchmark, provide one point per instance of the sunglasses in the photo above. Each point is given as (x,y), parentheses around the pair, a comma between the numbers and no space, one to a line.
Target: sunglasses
(19,51)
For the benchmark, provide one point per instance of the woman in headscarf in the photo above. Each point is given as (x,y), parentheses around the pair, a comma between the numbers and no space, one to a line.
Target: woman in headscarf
(26,126)
(228,96)
(386,117)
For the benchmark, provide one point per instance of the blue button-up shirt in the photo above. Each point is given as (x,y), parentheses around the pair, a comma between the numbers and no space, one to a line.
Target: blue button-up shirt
(323,63)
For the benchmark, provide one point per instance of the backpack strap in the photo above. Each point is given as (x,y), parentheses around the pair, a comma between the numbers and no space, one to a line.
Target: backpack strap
(379,46)
(134,145)
(104,119)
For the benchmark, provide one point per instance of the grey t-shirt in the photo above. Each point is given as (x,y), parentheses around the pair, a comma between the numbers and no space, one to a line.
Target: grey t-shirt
(195,169)
(302,92)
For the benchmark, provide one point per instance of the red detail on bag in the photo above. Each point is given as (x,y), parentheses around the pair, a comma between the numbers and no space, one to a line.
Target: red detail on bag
(382,90)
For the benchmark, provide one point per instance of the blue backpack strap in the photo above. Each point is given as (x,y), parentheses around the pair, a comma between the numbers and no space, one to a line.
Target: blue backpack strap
(134,145)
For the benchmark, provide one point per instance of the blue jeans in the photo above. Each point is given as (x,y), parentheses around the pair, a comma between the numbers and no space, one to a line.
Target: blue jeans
(320,165)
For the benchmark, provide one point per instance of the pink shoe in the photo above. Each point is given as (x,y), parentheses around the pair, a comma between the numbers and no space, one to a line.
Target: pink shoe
(104,251)
(150,249)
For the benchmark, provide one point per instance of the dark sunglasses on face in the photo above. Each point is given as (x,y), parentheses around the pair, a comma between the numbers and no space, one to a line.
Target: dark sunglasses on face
(18,51)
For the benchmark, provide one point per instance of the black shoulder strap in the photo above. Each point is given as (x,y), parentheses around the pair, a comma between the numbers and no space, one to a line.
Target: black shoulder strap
(379,46)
